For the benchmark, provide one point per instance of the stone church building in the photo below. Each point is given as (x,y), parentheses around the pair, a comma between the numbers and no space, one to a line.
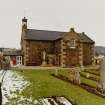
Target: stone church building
(65,49)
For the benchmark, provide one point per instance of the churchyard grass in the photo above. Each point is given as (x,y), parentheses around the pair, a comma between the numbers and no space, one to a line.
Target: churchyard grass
(67,73)
(91,75)
(92,71)
(42,84)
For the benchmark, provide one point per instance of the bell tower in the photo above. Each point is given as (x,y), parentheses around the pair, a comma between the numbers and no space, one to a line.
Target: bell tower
(24,23)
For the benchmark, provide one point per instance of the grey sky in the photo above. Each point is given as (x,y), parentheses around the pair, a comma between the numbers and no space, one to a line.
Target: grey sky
(61,15)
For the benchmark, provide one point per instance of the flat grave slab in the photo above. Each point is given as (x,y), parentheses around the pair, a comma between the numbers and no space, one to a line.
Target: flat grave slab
(55,101)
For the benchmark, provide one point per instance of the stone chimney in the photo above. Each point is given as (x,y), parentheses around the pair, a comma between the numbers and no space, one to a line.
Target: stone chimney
(83,33)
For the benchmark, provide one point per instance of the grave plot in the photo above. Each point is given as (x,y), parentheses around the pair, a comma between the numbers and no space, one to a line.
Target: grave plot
(55,101)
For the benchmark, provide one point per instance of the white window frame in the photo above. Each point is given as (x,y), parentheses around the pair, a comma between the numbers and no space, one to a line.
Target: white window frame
(19,60)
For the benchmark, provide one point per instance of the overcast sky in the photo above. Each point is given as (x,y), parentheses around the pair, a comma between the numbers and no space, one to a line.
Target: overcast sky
(84,15)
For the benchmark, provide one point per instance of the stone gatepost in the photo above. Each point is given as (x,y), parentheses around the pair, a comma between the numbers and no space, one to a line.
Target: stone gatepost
(101,84)
(81,56)
(63,54)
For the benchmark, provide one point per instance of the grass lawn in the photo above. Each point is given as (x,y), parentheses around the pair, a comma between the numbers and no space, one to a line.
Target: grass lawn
(90,82)
(44,85)
(95,77)
(92,71)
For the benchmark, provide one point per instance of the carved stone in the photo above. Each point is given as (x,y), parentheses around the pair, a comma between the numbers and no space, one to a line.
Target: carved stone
(101,84)
(44,63)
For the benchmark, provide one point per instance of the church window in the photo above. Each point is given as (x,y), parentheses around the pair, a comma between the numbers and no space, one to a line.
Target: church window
(72,43)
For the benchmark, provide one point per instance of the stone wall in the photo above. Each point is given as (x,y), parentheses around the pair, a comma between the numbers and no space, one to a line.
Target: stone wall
(72,58)
(70,53)
(33,52)
(88,53)
(57,52)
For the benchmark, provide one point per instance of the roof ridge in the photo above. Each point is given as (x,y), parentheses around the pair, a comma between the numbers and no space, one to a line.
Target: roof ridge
(47,30)
(35,34)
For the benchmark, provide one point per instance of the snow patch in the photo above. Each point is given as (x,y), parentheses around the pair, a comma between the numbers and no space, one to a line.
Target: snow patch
(12,84)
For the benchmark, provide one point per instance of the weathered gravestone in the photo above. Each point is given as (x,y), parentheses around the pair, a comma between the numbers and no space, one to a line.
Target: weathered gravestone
(76,78)
(56,71)
(87,75)
(101,84)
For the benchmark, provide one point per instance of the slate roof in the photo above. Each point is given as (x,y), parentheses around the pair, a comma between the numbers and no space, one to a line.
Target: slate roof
(33,34)
(12,53)
(84,38)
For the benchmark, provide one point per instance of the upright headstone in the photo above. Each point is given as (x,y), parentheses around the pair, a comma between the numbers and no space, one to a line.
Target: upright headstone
(56,71)
(77,76)
(101,84)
